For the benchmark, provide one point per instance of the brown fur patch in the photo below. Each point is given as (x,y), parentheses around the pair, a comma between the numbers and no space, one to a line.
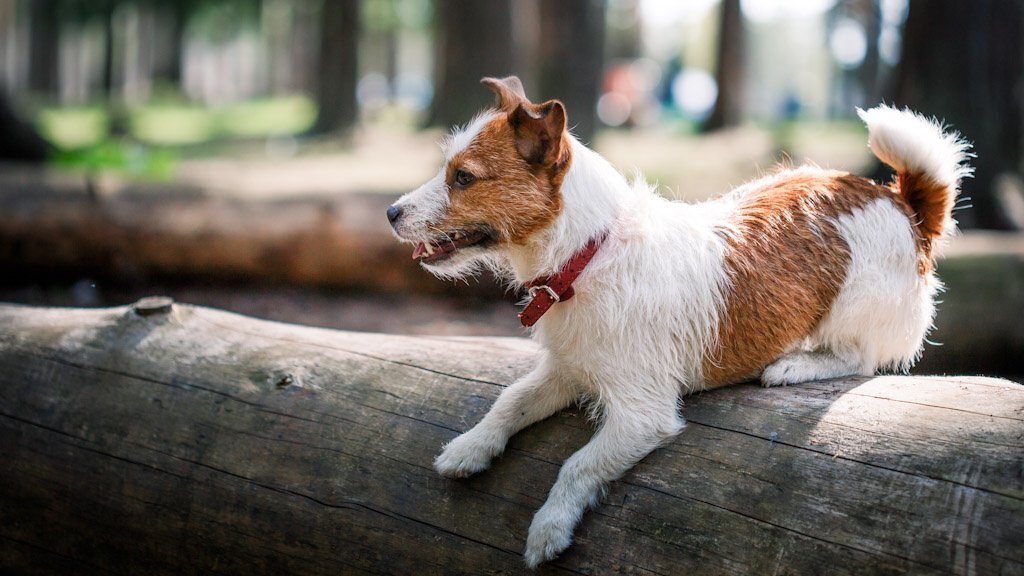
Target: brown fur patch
(929,205)
(512,196)
(786,263)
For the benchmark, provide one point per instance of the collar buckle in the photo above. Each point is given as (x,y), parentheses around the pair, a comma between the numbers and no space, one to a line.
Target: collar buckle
(558,287)
(551,292)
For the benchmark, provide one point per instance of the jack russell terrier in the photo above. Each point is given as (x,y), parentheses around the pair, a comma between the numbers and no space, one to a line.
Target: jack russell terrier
(635,300)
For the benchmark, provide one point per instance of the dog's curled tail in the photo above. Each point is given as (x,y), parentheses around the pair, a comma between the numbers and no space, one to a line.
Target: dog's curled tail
(929,164)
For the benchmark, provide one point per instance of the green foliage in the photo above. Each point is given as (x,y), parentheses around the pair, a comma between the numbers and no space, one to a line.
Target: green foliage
(158,132)
(380,15)
(223,19)
(73,127)
(177,123)
(120,156)
(173,125)
(267,117)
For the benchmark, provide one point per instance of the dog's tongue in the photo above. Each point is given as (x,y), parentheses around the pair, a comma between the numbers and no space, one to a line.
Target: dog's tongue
(420,250)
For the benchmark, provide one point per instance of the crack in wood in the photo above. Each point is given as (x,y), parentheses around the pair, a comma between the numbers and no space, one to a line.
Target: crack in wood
(781,527)
(865,462)
(78,561)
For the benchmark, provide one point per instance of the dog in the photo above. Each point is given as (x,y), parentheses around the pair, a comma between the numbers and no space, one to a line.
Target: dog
(636,300)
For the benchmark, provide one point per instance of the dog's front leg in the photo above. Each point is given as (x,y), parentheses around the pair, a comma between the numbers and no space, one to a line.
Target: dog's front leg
(536,396)
(627,434)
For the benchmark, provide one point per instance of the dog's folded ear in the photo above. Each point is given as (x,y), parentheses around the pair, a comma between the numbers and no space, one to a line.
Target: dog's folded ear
(509,92)
(539,129)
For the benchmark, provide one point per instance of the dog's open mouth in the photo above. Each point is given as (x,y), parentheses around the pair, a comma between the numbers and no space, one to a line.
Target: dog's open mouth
(446,246)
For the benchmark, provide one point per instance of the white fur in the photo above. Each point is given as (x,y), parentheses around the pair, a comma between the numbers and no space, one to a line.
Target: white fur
(649,304)
(885,306)
(460,139)
(914,144)
(883,311)
(424,205)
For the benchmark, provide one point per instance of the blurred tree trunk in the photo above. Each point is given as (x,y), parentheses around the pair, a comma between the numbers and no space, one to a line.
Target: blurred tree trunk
(306,29)
(572,59)
(115,103)
(730,69)
(474,40)
(624,36)
(857,85)
(337,66)
(109,58)
(43,47)
(168,62)
(869,14)
(964,62)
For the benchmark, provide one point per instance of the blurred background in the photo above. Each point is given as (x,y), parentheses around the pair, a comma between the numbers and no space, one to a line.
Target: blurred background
(240,153)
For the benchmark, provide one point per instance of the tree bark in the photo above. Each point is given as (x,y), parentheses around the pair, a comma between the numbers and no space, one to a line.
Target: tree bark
(572,59)
(168,62)
(730,69)
(964,62)
(186,439)
(474,40)
(338,66)
(43,47)
(869,14)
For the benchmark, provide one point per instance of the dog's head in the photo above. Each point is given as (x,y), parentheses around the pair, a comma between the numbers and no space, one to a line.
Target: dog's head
(498,186)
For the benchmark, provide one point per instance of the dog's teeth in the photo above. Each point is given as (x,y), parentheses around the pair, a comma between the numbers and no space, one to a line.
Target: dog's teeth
(420,250)
(430,249)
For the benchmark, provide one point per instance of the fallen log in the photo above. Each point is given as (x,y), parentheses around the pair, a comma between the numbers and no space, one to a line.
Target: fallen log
(166,439)
(65,226)
(56,224)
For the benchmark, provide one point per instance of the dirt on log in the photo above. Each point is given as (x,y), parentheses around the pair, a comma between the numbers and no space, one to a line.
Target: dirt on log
(169,440)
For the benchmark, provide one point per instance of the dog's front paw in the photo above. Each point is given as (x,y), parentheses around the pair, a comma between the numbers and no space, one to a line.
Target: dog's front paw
(774,375)
(464,456)
(550,534)
(782,372)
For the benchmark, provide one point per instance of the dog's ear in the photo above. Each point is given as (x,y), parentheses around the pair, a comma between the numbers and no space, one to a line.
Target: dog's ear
(539,129)
(509,92)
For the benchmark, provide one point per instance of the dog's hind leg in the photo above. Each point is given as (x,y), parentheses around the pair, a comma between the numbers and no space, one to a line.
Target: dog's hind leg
(536,396)
(628,433)
(798,367)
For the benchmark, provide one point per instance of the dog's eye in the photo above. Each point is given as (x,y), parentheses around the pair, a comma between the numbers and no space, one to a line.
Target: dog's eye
(463,178)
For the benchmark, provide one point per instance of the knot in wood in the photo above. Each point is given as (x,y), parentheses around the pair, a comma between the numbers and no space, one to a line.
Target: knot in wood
(152,305)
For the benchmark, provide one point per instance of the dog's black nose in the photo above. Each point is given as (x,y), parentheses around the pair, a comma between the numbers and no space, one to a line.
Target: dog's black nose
(393,213)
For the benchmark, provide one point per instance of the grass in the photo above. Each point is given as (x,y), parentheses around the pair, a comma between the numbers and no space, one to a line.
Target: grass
(134,159)
(263,118)
(74,127)
(173,125)
(160,130)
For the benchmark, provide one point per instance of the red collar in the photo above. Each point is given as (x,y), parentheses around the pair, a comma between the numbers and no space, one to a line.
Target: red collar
(546,291)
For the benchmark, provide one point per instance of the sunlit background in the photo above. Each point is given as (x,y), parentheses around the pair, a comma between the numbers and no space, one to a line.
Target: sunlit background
(178,73)
(239,153)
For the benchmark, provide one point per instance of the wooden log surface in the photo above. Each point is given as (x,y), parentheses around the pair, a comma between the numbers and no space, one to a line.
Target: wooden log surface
(198,441)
